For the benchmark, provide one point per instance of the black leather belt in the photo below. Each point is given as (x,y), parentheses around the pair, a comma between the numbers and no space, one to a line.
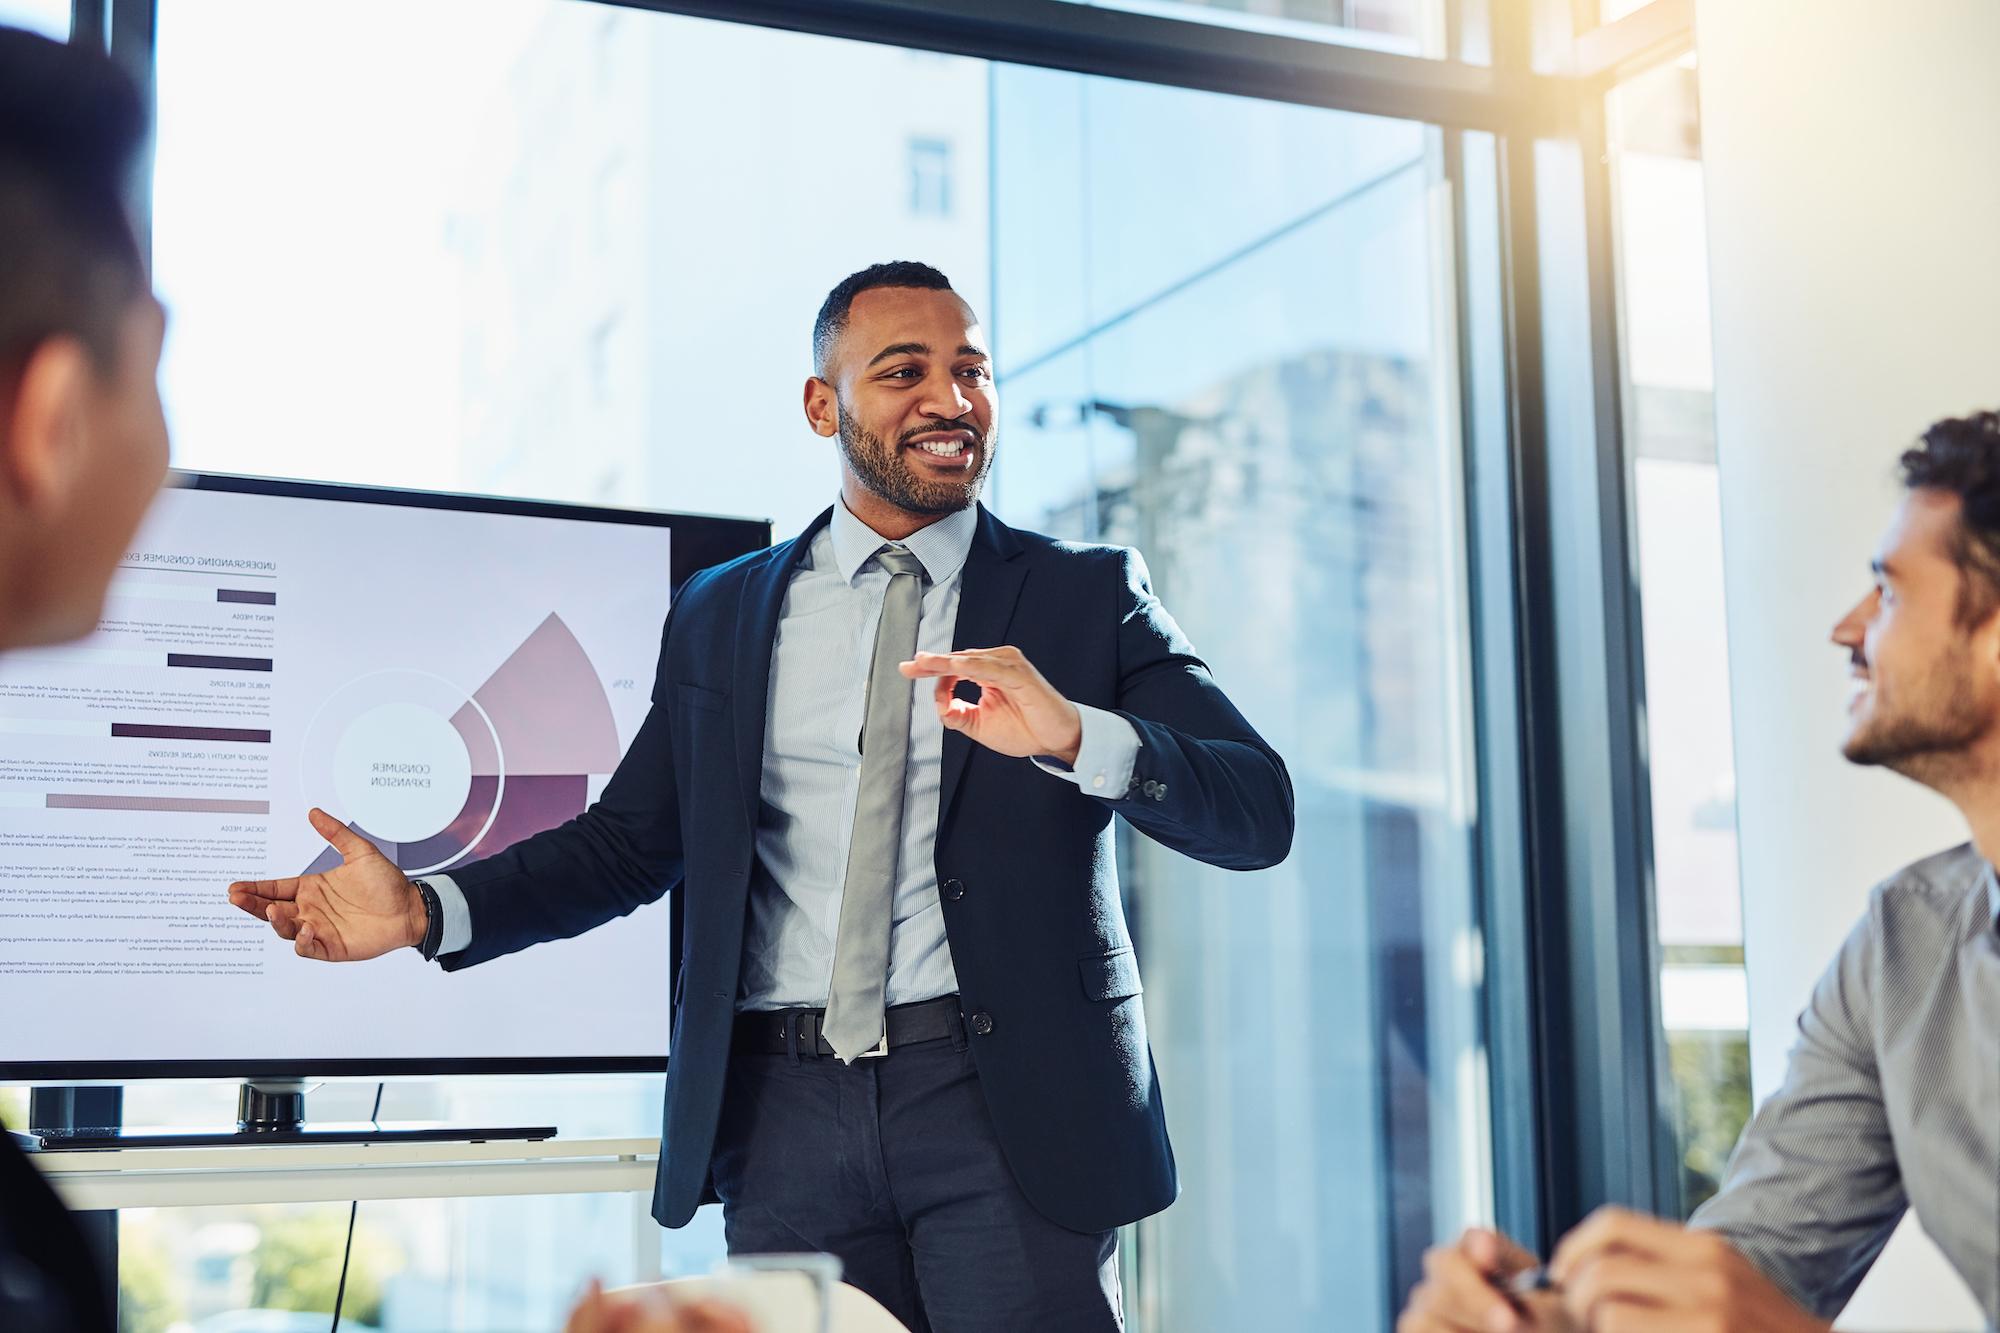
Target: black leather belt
(796,1031)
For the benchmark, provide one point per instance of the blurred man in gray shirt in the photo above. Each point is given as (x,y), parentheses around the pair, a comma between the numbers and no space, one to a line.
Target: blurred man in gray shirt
(1892,1097)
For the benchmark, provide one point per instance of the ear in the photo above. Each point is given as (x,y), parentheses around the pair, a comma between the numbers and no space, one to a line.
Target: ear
(1984,633)
(822,408)
(44,426)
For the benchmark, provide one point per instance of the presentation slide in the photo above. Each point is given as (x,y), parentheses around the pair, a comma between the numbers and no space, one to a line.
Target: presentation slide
(446,682)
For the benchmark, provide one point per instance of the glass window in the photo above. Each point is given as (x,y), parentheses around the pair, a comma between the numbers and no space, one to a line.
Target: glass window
(1610,11)
(1670,434)
(49,17)
(493,276)
(1217,343)
(475,1264)
(1223,334)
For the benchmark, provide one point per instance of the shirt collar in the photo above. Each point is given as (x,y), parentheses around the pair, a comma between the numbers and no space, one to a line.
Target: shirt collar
(941,547)
(1993,897)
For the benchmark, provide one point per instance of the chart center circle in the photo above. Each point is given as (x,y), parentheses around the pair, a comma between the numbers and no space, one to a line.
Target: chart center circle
(402,772)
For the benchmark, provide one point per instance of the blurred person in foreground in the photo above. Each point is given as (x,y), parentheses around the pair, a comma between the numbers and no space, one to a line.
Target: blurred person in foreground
(1888,1101)
(83,449)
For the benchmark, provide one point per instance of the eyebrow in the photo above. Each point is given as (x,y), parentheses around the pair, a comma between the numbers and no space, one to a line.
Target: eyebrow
(921,349)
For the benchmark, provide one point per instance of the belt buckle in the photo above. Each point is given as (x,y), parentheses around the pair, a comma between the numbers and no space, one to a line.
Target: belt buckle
(880,1048)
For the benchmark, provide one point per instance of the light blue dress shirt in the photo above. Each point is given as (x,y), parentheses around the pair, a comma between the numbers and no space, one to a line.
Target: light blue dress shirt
(812,770)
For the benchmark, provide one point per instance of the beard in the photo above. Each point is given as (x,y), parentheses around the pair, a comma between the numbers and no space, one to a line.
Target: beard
(882,470)
(1925,731)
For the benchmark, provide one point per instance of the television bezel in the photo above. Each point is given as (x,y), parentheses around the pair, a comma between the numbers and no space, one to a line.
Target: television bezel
(699,541)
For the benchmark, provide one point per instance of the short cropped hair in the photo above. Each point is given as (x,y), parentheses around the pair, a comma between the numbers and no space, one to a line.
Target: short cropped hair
(834,310)
(1962,455)
(71,125)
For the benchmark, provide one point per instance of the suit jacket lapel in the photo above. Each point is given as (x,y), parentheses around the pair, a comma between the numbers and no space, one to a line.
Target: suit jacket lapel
(758,608)
(988,590)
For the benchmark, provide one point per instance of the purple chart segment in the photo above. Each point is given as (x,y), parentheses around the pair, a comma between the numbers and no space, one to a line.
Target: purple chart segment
(549,709)
(433,776)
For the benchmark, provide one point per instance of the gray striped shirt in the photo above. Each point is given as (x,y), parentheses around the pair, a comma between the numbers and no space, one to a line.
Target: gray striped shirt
(1891,1099)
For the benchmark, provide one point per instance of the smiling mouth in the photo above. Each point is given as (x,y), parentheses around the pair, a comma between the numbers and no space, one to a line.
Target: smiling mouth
(943,448)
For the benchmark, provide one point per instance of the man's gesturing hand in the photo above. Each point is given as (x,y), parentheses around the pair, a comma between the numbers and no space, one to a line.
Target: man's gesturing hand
(1018,712)
(360,909)
(1621,1272)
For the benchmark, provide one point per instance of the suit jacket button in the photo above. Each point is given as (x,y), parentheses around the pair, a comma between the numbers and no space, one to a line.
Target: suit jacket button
(953,890)
(1151,788)
(982,1023)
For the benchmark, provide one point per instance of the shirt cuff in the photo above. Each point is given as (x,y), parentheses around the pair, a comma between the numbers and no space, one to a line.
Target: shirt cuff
(457,914)
(1104,759)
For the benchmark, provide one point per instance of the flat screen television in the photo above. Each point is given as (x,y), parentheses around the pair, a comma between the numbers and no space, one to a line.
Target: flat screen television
(446,673)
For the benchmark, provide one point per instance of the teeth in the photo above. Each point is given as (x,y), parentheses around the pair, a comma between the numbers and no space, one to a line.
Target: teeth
(943,448)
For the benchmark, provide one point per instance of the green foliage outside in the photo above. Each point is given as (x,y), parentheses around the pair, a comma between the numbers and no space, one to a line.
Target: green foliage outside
(13,1107)
(1712,1073)
(297,1266)
(149,1297)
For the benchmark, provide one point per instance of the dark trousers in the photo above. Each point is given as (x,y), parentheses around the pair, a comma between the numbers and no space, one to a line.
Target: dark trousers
(892,1165)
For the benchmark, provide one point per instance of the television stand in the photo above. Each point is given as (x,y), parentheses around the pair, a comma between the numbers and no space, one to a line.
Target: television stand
(95,1137)
(140,1177)
(267,1112)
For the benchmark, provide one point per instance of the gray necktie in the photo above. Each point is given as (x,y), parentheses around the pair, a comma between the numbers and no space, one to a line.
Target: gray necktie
(854,1022)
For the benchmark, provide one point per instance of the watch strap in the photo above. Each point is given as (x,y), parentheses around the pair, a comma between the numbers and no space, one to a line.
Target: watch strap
(433,919)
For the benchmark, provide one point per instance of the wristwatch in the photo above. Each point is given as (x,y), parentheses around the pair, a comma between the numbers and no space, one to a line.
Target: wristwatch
(433,920)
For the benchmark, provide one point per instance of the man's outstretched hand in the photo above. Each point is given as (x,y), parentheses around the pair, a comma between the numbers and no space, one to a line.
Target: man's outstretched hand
(1019,713)
(363,908)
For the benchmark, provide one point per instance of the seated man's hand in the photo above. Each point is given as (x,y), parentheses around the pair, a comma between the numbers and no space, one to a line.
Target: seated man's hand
(1459,1293)
(1621,1272)
(651,1310)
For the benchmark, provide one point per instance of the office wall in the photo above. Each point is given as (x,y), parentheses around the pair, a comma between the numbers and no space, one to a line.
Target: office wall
(1854,235)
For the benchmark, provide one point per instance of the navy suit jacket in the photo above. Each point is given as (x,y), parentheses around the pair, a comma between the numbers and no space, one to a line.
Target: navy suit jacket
(1031,908)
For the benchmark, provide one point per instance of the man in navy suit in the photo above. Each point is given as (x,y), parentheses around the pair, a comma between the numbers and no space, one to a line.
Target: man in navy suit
(909,1028)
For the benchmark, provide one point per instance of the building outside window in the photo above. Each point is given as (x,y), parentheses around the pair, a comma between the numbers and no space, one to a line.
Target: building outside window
(930,178)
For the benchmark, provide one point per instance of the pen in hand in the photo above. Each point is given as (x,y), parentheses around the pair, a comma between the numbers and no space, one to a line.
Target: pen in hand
(1527,1282)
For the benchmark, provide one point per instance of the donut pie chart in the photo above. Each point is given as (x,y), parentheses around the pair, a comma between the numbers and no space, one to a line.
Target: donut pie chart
(433,776)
